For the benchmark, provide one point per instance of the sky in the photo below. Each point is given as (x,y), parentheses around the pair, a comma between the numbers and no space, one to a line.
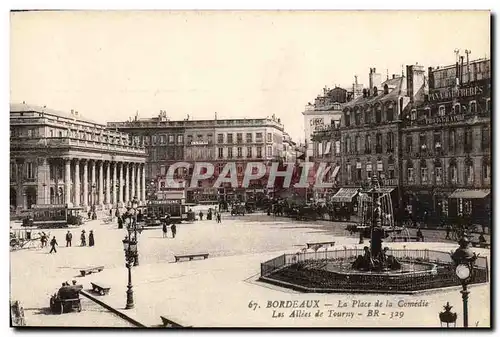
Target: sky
(110,65)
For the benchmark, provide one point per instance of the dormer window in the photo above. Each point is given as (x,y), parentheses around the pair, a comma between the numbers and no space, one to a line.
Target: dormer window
(456,108)
(442,110)
(375,91)
(473,107)
(413,114)
(386,89)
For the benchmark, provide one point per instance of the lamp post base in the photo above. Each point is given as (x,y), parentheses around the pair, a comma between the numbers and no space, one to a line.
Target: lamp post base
(130,297)
(465,298)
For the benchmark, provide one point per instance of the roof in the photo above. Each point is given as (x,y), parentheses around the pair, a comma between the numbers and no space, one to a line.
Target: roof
(20,107)
(395,83)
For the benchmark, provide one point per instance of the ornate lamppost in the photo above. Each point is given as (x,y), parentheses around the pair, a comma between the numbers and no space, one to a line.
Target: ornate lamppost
(464,259)
(130,248)
(447,317)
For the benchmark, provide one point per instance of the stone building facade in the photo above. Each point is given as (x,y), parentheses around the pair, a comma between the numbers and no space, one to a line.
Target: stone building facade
(63,158)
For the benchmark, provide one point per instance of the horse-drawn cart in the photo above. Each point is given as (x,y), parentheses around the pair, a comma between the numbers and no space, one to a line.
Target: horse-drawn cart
(67,299)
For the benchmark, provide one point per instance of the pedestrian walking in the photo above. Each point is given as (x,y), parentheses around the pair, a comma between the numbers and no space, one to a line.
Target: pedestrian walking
(448,231)
(53,244)
(165,230)
(218,218)
(43,239)
(69,237)
(89,213)
(174,230)
(420,236)
(91,238)
(201,215)
(83,239)
(110,212)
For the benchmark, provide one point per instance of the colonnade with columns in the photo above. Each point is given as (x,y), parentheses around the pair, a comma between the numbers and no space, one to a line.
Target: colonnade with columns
(102,183)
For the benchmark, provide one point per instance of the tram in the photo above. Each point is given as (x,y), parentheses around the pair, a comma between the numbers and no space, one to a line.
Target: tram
(157,210)
(54,216)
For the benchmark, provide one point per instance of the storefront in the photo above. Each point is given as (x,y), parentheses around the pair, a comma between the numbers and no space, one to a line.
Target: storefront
(472,205)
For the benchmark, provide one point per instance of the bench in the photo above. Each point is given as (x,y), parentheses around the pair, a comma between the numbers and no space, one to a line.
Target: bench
(100,289)
(406,238)
(190,256)
(329,243)
(91,270)
(168,323)
(480,244)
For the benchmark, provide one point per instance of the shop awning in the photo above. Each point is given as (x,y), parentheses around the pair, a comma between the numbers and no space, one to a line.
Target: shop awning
(345,195)
(463,193)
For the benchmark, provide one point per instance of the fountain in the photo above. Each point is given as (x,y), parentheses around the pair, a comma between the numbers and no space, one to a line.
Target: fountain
(374,268)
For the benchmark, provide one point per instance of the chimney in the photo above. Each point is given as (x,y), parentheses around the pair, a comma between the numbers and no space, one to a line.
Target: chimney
(72,111)
(393,76)
(375,80)
(76,113)
(415,82)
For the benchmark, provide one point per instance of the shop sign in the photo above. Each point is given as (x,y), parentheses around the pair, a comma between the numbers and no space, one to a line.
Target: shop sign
(455,93)
(445,119)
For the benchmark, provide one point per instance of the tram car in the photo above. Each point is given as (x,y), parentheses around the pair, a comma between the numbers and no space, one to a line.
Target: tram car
(158,210)
(55,216)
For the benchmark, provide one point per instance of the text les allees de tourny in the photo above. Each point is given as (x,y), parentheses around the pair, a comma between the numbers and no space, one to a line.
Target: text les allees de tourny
(341,309)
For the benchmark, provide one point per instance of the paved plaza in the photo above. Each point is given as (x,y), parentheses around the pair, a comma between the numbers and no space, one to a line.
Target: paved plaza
(217,291)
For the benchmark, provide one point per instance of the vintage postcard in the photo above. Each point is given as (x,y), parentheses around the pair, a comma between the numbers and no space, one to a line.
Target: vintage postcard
(263,169)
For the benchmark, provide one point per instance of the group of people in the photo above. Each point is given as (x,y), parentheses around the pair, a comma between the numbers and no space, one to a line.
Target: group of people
(69,240)
(173,228)
(210,214)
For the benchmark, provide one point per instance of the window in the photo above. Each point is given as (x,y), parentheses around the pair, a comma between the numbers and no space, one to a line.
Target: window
(390,113)
(163,139)
(13,171)
(337,147)
(239,152)
(348,144)
(349,172)
(258,137)
(171,139)
(390,142)
(410,173)
(453,172)
(438,171)
(485,138)
(347,119)
(249,152)
(210,138)
(423,142)
(442,110)
(486,170)
(269,137)
(239,138)
(220,138)
(488,105)
(423,172)
(269,151)
(221,152)
(409,144)
(452,139)
(473,107)
(368,144)
(378,114)
(367,116)
(456,108)
(30,174)
(378,146)
(259,151)
(180,139)
(468,140)
(230,152)
(60,134)
(154,138)
(358,144)
(249,138)
(380,165)
(469,172)
(230,138)
(358,171)
(357,117)
(368,171)
(437,141)
(413,115)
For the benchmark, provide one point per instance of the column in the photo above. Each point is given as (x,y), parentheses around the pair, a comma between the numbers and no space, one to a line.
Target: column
(143,183)
(126,183)
(77,183)
(115,183)
(20,190)
(108,185)
(85,183)
(92,183)
(138,183)
(132,181)
(120,180)
(42,181)
(67,181)
(101,183)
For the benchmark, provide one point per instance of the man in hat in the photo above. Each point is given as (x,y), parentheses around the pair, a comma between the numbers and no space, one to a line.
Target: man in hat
(53,244)
(83,239)
(69,237)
